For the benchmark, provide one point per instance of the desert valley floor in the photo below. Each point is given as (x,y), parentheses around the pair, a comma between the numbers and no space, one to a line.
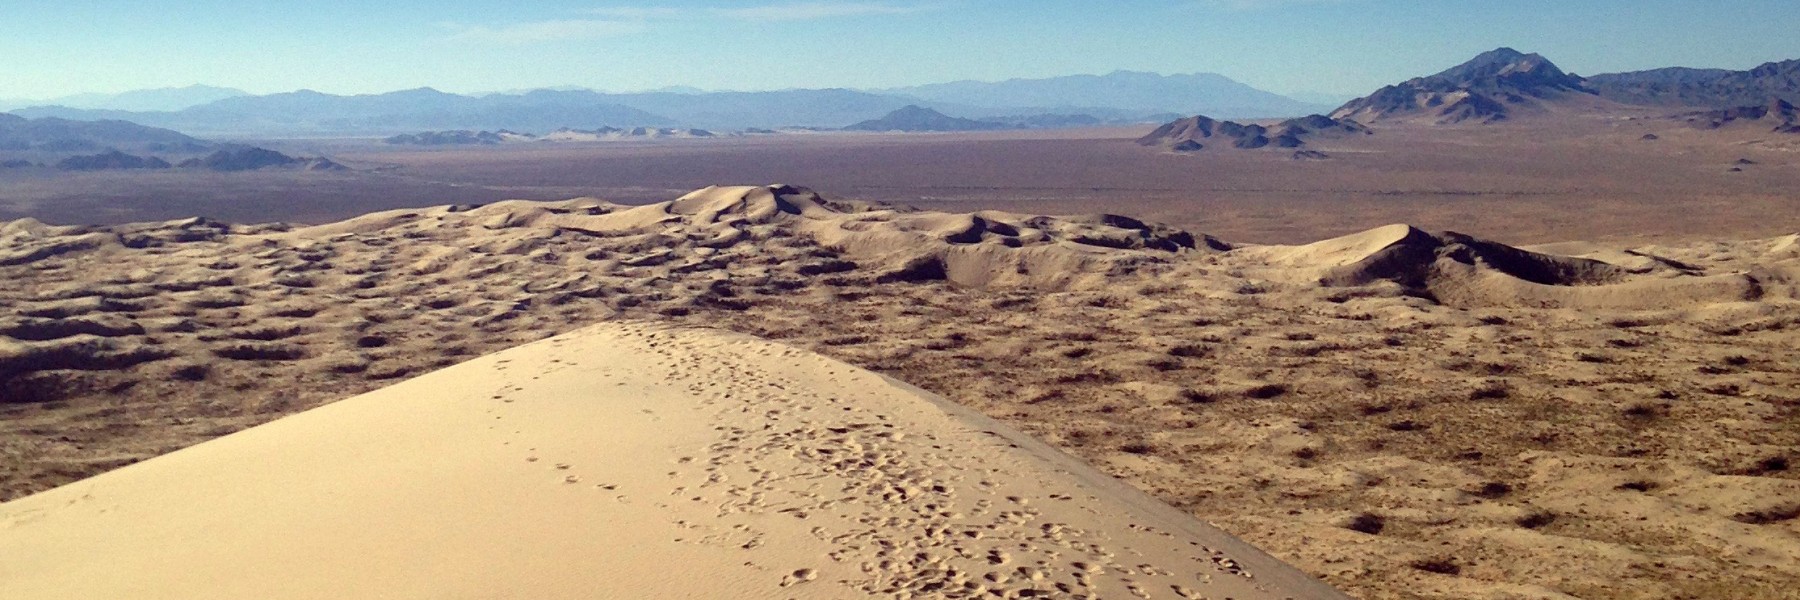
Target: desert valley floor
(1527,182)
(1400,411)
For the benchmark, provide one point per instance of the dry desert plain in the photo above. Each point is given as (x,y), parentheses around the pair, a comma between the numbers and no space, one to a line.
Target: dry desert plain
(1401,413)
(1525,182)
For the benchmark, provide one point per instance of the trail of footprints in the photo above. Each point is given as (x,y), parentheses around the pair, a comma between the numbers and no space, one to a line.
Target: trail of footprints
(899,510)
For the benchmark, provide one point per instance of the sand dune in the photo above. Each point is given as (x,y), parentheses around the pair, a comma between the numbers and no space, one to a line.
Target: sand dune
(1465,271)
(1403,413)
(625,461)
(543,252)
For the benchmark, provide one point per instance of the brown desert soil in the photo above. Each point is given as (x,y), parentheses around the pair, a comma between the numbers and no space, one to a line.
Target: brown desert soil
(1592,179)
(1405,414)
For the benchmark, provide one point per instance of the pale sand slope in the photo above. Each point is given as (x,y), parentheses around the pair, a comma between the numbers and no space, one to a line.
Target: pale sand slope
(625,461)
(1405,414)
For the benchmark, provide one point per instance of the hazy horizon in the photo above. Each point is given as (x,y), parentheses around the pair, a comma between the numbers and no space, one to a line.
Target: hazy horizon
(673,88)
(1292,47)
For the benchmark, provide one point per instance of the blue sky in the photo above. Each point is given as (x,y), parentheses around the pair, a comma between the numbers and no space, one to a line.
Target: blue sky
(1334,46)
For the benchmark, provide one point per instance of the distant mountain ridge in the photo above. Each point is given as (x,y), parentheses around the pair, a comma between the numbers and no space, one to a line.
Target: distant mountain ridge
(254,159)
(230,159)
(1487,89)
(1703,88)
(19,134)
(1503,83)
(1121,90)
(159,99)
(310,112)
(1117,97)
(1200,132)
(459,137)
(120,145)
(913,118)
(111,160)
(1495,86)
(832,107)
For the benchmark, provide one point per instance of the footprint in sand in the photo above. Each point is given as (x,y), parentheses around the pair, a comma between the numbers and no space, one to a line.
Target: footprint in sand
(799,576)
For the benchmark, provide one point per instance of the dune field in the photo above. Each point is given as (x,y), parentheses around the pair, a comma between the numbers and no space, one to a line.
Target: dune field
(1400,413)
(626,461)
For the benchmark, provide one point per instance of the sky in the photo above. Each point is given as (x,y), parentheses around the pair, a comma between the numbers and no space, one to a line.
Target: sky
(1337,47)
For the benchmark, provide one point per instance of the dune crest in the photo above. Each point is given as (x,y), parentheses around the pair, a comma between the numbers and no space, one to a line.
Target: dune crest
(291,293)
(988,248)
(591,464)
(463,264)
(1463,270)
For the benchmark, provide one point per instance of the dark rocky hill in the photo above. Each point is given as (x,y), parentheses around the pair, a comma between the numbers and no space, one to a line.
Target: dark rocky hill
(1197,133)
(62,135)
(254,159)
(111,160)
(231,159)
(914,118)
(460,137)
(1503,83)
(1489,88)
(1779,115)
(1702,88)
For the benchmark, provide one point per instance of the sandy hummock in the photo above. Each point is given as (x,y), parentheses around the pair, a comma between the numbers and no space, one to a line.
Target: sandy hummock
(1402,413)
(625,461)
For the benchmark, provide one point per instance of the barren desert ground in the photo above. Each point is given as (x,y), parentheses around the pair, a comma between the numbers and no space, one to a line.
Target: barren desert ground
(1524,183)
(1592,397)
(1587,179)
(900,299)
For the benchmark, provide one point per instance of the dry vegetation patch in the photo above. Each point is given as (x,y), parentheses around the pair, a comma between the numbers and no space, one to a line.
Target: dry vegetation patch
(1395,446)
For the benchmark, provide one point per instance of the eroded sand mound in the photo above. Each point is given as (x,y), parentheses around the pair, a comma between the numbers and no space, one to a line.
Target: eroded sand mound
(625,461)
(1463,270)
(106,299)
(981,249)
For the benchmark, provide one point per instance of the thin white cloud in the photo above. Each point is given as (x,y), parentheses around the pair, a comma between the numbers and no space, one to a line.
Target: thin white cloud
(543,31)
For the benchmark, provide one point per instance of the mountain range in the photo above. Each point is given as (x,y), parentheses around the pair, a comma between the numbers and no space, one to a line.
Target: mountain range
(1503,83)
(1489,88)
(160,99)
(307,112)
(56,136)
(1703,88)
(1495,86)
(230,159)
(110,145)
(1116,91)
(1123,95)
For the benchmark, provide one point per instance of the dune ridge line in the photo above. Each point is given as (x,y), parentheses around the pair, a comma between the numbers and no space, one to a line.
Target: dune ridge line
(588,464)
